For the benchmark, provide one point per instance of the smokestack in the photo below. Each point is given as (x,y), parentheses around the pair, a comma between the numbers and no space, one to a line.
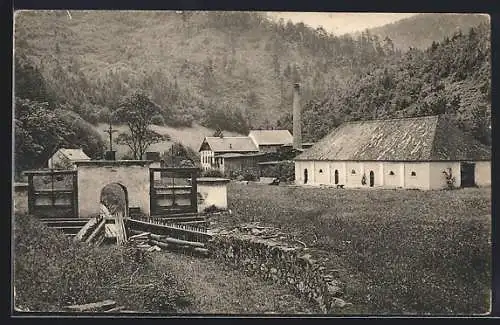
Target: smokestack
(297,111)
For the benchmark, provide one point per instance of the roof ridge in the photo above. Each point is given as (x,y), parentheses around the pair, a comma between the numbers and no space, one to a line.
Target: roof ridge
(392,119)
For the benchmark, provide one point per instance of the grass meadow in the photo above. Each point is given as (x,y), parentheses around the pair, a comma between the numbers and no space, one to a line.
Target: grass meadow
(398,251)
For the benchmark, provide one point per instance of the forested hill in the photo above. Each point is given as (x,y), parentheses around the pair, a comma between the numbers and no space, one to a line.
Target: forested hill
(234,70)
(199,66)
(451,77)
(421,30)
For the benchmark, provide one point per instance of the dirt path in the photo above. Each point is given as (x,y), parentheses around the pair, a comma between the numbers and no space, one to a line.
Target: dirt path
(219,289)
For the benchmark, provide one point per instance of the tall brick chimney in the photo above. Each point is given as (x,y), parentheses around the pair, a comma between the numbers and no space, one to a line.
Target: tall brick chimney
(297,111)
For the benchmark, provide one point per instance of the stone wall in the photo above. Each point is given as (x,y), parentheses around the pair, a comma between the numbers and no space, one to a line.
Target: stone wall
(270,254)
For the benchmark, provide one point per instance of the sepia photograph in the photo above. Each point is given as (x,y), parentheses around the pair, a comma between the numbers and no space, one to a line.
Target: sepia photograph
(246,163)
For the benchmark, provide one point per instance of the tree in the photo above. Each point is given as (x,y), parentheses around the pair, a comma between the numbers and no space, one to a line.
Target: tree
(137,111)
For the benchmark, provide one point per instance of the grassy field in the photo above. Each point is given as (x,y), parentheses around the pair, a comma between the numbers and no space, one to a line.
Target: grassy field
(399,252)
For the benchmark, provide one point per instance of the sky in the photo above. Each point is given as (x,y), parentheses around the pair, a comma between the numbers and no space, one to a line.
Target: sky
(341,23)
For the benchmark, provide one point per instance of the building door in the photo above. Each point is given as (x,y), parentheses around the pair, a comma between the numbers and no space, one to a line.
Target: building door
(305,176)
(372,178)
(467,171)
(336,177)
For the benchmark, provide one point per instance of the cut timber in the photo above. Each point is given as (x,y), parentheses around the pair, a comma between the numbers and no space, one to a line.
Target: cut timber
(95,306)
(174,241)
(141,235)
(112,310)
(99,229)
(83,233)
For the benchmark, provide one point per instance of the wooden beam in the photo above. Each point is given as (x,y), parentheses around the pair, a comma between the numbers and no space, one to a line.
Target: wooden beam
(95,306)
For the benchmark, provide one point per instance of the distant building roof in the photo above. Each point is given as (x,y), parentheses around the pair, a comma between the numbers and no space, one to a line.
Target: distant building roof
(231,144)
(74,154)
(429,138)
(238,155)
(271,137)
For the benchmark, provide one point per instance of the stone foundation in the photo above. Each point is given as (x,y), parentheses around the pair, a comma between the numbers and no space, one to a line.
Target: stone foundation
(270,254)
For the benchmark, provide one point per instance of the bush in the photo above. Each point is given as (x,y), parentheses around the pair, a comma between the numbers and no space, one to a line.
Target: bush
(212,173)
(158,120)
(250,175)
(51,271)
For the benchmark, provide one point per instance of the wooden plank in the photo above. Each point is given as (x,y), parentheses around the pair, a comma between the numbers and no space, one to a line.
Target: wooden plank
(158,226)
(95,306)
(49,172)
(99,228)
(85,229)
(113,310)
(173,241)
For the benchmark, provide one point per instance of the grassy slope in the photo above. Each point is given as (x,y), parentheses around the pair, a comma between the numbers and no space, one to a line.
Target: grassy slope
(189,137)
(398,251)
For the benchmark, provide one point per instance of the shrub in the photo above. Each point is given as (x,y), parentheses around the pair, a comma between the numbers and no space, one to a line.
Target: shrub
(157,120)
(450,179)
(212,173)
(51,271)
(250,175)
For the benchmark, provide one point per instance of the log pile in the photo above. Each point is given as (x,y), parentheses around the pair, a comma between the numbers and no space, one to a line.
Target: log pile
(151,242)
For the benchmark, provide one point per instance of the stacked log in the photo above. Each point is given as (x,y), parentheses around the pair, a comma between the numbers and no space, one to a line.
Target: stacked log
(173,244)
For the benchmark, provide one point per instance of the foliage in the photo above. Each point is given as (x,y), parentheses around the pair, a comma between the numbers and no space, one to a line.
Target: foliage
(181,156)
(452,77)
(218,133)
(137,111)
(212,173)
(157,120)
(450,179)
(428,255)
(250,175)
(40,131)
(51,271)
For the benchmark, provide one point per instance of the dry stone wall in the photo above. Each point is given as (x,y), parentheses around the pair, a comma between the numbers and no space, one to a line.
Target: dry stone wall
(272,255)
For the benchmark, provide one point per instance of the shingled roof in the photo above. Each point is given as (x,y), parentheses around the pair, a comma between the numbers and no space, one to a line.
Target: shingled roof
(429,138)
(230,144)
(271,137)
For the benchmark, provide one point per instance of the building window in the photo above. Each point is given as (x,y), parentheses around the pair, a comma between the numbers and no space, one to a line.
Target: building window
(413,174)
(391,173)
(353,172)
(321,171)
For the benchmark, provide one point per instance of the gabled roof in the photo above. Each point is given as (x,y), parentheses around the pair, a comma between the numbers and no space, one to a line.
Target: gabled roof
(230,144)
(238,155)
(429,138)
(271,137)
(74,154)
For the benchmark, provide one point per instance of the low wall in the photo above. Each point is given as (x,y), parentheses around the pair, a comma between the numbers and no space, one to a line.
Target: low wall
(212,192)
(304,270)
(20,198)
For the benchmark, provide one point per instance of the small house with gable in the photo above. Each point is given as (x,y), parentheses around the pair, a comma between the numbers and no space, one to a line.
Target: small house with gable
(64,158)
(270,140)
(411,153)
(213,150)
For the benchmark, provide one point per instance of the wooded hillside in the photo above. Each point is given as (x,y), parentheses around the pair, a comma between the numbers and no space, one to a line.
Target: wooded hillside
(234,70)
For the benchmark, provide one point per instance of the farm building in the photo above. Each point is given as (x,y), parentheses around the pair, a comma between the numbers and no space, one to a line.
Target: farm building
(65,158)
(270,140)
(212,150)
(236,162)
(414,153)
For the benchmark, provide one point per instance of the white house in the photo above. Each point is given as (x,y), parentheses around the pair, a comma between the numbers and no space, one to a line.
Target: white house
(65,158)
(270,140)
(397,153)
(212,150)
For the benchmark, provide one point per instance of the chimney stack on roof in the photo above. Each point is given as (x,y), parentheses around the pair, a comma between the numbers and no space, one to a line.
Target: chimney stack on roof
(297,111)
